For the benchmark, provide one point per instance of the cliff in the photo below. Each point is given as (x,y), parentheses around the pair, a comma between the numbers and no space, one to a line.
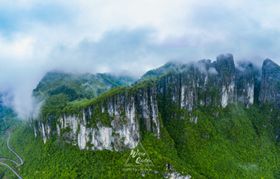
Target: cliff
(117,119)
(270,83)
(112,123)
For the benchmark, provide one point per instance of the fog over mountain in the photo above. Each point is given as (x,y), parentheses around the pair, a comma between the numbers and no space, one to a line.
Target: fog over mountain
(116,36)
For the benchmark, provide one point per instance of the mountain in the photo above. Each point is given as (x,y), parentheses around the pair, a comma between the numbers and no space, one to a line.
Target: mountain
(78,86)
(211,117)
(170,67)
(56,89)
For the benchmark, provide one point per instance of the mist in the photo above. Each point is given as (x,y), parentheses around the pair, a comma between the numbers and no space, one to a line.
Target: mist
(107,37)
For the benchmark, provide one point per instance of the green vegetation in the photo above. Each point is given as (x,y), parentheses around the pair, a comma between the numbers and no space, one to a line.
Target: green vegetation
(168,68)
(53,106)
(59,104)
(56,159)
(78,86)
(235,142)
(209,142)
(57,89)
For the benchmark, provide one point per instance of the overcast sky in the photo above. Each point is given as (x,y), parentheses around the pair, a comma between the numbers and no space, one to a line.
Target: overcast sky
(126,36)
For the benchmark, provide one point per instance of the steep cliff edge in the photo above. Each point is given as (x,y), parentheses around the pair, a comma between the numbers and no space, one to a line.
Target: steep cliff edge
(270,83)
(207,83)
(117,119)
(111,122)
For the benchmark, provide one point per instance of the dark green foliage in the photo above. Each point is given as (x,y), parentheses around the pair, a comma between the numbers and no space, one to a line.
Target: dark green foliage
(57,87)
(53,105)
(56,159)
(206,142)
(162,71)
(78,86)
(234,142)
(69,92)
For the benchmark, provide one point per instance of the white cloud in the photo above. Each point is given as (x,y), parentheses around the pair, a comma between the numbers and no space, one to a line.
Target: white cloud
(126,36)
(18,49)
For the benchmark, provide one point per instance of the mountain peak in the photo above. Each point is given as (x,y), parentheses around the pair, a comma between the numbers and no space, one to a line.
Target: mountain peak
(270,67)
(270,90)
(227,56)
(269,63)
(225,65)
(225,59)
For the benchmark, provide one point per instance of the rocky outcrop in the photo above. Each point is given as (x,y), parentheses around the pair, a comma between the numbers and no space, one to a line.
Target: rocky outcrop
(176,175)
(116,121)
(207,83)
(247,76)
(116,125)
(270,83)
(226,72)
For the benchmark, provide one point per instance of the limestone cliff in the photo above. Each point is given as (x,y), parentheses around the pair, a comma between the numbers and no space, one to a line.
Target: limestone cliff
(116,120)
(270,83)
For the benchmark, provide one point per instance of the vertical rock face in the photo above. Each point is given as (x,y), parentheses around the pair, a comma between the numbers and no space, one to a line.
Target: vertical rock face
(206,83)
(44,133)
(247,75)
(116,121)
(226,71)
(188,89)
(270,83)
(148,109)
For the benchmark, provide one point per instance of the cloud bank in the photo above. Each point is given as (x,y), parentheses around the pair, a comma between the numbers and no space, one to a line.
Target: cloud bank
(125,36)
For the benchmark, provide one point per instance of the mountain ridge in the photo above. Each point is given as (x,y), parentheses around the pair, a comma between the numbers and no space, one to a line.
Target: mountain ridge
(86,85)
(193,112)
(189,89)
